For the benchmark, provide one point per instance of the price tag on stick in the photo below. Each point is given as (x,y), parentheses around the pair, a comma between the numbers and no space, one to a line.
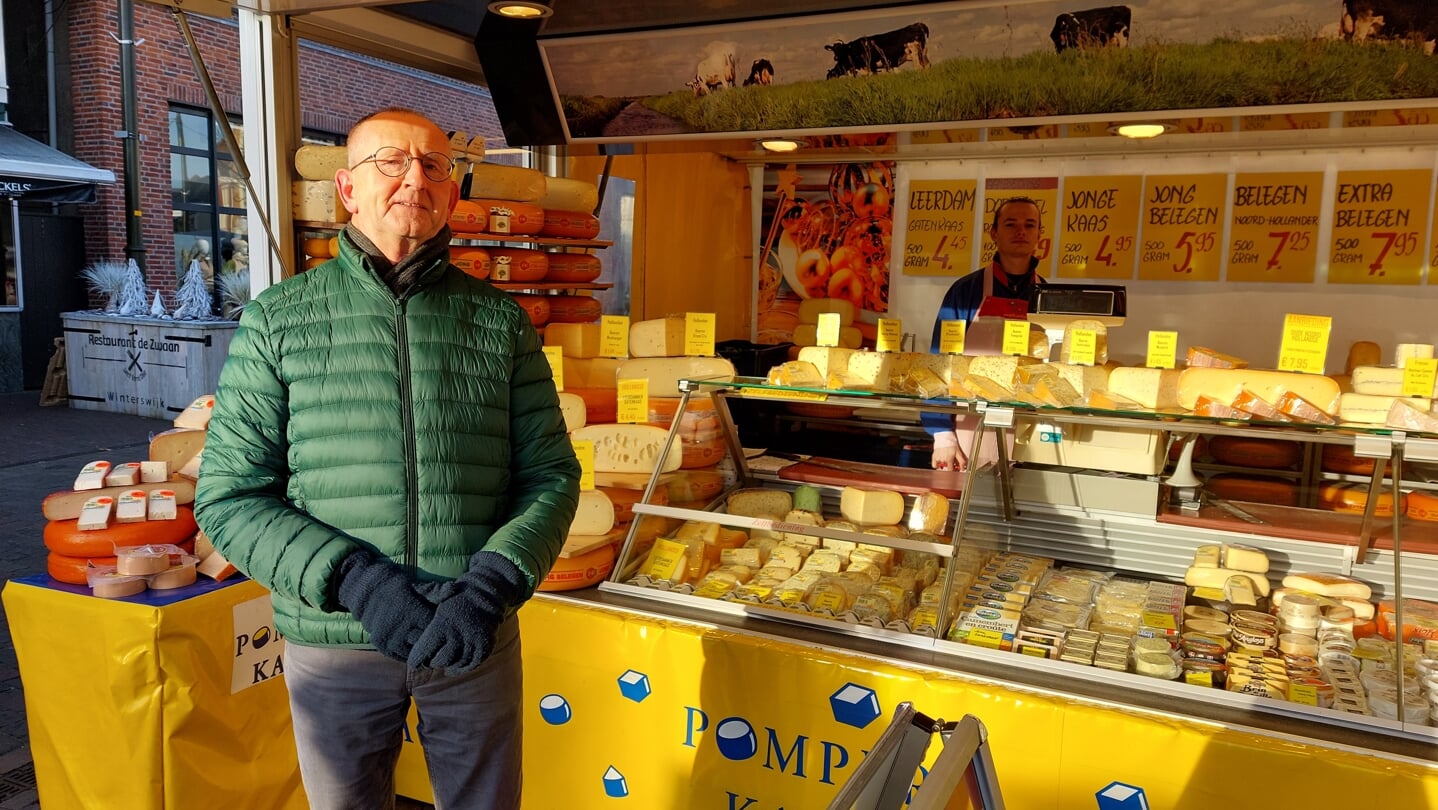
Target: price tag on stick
(1305,343)
(1162,349)
(951,337)
(584,451)
(614,336)
(891,334)
(555,356)
(699,334)
(1419,376)
(633,401)
(1016,337)
(827,333)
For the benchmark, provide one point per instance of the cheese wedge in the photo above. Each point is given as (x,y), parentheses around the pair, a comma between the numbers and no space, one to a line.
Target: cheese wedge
(757,502)
(1057,392)
(664,373)
(131,506)
(1244,558)
(797,374)
(572,407)
(177,446)
(630,448)
(868,371)
(1153,388)
(871,507)
(1084,379)
(1326,584)
(197,415)
(123,475)
(95,514)
(1001,368)
(154,472)
(92,476)
(594,515)
(657,337)
(1373,409)
(1200,577)
(1109,401)
(1225,384)
(1405,414)
(1201,357)
(1207,557)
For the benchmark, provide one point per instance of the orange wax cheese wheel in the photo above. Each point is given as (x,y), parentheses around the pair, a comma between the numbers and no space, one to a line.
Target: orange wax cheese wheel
(1240,451)
(311,262)
(1339,458)
(318,246)
(536,306)
(469,216)
(334,245)
(624,499)
(512,216)
(575,309)
(73,570)
(570,224)
(65,537)
(601,405)
(1352,498)
(474,261)
(1422,505)
(580,571)
(705,451)
(573,268)
(1255,488)
(519,264)
(700,416)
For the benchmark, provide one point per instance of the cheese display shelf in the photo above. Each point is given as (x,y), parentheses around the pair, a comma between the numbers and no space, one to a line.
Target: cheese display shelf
(546,285)
(547,241)
(925,589)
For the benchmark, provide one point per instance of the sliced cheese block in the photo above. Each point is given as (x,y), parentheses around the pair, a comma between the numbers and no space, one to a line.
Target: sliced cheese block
(468,216)
(573,408)
(574,268)
(1405,414)
(570,224)
(317,201)
(827,360)
(500,182)
(1109,401)
(1198,577)
(1056,392)
(1353,499)
(1100,330)
(657,337)
(1410,351)
(1373,409)
(518,264)
(197,414)
(1084,379)
(976,387)
(807,334)
(871,507)
(757,502)
(1153,388)
(473,261)
(320,162)
(868,371)
(1298,408)
(1001,368)
(930,513)
(589,372)
(948,367)
(154,472)
(811,308)
(594,515)
(664,373)
(1258,407)
(1323,583)
(1225,384)
(1380,381)
(1208,557)
(569,194)
(95,513)
(630,448)
(510,216)
(123,475)
(1244,558)
(92,476)
(1200,357)
(177,446)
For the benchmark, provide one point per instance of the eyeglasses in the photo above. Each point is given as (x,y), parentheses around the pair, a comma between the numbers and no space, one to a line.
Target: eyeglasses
(393,161)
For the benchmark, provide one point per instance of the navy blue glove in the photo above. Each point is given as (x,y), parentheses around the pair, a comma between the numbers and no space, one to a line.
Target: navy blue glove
(387,600)
(462,633)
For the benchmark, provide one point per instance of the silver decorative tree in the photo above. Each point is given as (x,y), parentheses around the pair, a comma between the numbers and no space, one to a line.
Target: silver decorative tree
(134,298)
(157,309)
(193,297)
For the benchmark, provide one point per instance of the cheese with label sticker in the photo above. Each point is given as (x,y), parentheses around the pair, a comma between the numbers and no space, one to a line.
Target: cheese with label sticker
(1327,584)
(579,340)
(503,182)
(630,448)
(92,476)
(871,507)
(930,513)
(95,514)
(1153,388)
(1404,414)
(1001,368)
(1200,357)
(1198,577)
(131,506)
(123,475)
(657,337)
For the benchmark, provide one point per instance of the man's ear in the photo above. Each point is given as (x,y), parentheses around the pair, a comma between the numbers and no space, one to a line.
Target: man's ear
(453,198)
(345,186)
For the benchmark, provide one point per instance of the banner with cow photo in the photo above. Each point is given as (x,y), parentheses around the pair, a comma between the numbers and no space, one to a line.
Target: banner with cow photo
(826,233)
(911,67)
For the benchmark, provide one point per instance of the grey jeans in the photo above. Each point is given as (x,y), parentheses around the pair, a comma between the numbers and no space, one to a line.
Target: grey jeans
(349,707)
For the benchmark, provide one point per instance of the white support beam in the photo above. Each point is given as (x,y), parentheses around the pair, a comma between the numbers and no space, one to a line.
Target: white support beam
(393,38)
(270,85)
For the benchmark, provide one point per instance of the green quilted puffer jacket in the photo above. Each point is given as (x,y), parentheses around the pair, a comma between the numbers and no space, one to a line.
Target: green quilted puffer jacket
(425,428)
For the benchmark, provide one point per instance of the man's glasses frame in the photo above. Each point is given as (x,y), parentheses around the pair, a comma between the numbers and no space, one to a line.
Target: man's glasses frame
(392,161)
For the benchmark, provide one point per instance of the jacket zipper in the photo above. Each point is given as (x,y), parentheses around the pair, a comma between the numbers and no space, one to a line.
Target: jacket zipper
(411,519)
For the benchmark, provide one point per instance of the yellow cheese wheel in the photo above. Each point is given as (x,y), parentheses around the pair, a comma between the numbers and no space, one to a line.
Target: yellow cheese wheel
(1353,498)
(580,571)
(1422,506)
(318,246)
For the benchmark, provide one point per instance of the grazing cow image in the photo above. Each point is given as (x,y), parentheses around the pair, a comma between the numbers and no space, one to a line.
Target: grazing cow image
(714,72)
(1411,20)
(880,52)
(761,73)
(1092,28)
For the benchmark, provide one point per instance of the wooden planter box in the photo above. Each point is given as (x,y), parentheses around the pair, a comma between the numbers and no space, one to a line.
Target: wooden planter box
(143,366)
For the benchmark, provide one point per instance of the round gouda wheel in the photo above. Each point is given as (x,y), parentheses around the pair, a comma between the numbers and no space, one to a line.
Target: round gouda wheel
(63,537)
(474,261)
(573,268)
(570,224)
(1258,489)
(318,247)
(1242,451)
(1422,506)
(537,306)
(311,262)
(73,570)
(468,216)
(518,264)
(334,245)
(1339,458)
(574,309)
(1352,498)
(582,571)
(510,216)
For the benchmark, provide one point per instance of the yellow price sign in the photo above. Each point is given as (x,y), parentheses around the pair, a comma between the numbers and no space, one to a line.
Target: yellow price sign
(614,336)
(584,451)
(828,329)
(891,335)
(699,334)
(664,559)
(1084,347)
(555,356)
(1305,343)
(1016,337)
(1419,377)
(980,637)
(1162,349)
(951,337)
(1153,618)
(1305,693)
(1198,678)
(633,397)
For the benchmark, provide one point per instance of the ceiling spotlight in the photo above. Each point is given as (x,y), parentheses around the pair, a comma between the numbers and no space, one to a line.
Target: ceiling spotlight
(782,144)
(520,9)
(1139,130)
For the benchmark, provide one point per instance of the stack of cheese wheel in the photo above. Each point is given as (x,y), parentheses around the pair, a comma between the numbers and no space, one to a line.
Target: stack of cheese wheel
(568,208)
(588,553)
(182,449)
(700,436)
(320,249)
(314,195)
(508,197)
(586,374)
(73,551)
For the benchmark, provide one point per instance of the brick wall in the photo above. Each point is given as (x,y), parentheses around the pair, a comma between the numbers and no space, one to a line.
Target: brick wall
(335,89)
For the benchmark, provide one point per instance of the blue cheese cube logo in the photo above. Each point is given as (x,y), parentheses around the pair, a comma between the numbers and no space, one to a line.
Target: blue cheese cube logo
(615,785)
(736,739)
(855,705)
(634,685)
(555,710)
(1118,796)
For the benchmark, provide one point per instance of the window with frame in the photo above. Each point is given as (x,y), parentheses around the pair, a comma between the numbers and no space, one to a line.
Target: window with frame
(207,195)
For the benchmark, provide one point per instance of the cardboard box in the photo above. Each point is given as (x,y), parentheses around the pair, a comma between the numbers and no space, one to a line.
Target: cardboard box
(1127,450)
(1097,491)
